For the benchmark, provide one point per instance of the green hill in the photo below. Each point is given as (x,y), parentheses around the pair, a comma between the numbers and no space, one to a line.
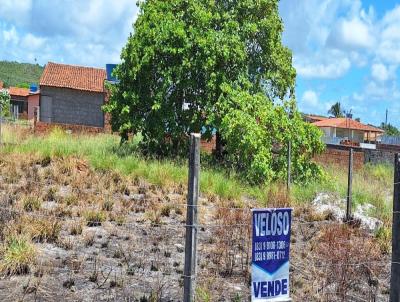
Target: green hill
(19,74)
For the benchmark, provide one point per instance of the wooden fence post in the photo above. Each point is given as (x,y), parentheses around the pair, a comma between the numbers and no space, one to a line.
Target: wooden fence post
(1,121)
(349,186)
(289,166)
(191,219)
(395,274)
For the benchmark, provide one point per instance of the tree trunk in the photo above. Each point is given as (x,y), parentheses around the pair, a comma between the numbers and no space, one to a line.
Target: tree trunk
(219,146)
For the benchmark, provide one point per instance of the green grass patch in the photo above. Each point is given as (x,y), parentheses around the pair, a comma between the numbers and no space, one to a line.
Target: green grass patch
(18,255)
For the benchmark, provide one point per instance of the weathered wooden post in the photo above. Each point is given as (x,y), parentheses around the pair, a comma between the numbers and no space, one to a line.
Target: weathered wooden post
(395,276)
(349,186)
(191,219)
(1,121)
(35,117)
(289,166)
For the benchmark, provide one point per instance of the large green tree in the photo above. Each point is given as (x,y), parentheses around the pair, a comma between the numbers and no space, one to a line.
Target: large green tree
(184,68)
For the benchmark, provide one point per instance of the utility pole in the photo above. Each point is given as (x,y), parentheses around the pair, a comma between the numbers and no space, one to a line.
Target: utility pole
(395,276)
(191,219)
(386,119)
(349,186)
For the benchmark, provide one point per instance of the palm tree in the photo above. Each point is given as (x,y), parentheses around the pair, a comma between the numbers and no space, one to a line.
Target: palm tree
(336,110)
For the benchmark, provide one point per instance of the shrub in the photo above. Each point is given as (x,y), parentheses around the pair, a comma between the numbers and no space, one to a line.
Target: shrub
(108,205)
(38,229)
(94,218)
(31,203)
(18,254)
(71,200)
(257,133)
(5,103)
(44,229)
(76,229)
(384,239)
(349,259)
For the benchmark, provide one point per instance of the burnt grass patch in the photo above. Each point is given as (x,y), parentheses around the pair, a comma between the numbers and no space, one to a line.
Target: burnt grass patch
(95,235)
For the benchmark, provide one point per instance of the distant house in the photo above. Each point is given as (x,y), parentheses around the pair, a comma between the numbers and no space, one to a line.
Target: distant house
(312,118)
(23,101)
(72,95)
(348,131)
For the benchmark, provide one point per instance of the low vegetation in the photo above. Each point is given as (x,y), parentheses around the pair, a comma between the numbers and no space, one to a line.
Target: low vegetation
(17,255)
(372,184)
(100,216)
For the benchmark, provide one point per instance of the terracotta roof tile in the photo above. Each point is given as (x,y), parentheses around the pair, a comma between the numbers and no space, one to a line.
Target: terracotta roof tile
(346,123)
(74,77)
(315,117)
(15,91)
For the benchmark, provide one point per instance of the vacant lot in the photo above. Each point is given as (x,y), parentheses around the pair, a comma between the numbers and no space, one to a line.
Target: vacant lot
(83,219)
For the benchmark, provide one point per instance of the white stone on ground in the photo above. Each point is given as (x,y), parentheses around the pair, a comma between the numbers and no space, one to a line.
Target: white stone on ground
(324,203)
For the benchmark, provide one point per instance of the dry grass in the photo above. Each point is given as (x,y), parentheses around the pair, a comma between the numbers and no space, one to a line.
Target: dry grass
(40,229)
(76,228)
(339,248)
(31,203)
(94,217)
(81,189)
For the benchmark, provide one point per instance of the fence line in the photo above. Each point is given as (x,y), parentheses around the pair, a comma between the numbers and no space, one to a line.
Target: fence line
(314,263)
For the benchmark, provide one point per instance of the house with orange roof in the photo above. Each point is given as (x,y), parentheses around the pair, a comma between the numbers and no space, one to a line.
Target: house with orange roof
(72,95)
(348,131)
(23,101)
(312,118)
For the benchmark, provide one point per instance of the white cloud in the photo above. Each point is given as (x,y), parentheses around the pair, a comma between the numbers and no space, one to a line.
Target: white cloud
(351,34)
(358,97)
(310,98)
(331,67)
(10,36)
(31,42)
(90,32)
(389,44)
(379,72)
(15,11)
(329,37)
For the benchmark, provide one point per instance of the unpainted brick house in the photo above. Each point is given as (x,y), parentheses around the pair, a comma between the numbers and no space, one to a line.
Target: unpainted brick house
(72,95)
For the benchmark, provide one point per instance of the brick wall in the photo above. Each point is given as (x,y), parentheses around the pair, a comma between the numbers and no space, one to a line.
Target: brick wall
(208,146)
(70,106)
(379,156)
(340,157)
(384,147)
(33,101)
(41,127)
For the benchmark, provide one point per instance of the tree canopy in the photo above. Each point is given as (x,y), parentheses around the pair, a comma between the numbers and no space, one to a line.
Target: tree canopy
(390,129)
(212,67)
(336,110)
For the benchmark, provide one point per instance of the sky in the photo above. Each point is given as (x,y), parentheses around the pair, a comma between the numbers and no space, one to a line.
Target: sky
(343,50)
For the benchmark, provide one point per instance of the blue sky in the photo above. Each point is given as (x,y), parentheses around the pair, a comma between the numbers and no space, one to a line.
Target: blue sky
(344,50)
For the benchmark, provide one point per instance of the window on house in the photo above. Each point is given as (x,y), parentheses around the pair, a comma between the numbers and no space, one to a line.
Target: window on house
(22,105)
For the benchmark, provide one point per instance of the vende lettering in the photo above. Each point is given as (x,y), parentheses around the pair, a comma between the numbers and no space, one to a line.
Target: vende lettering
(266,289)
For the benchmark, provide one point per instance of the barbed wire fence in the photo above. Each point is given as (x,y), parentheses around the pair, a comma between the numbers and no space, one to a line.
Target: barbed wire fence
(146,259)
